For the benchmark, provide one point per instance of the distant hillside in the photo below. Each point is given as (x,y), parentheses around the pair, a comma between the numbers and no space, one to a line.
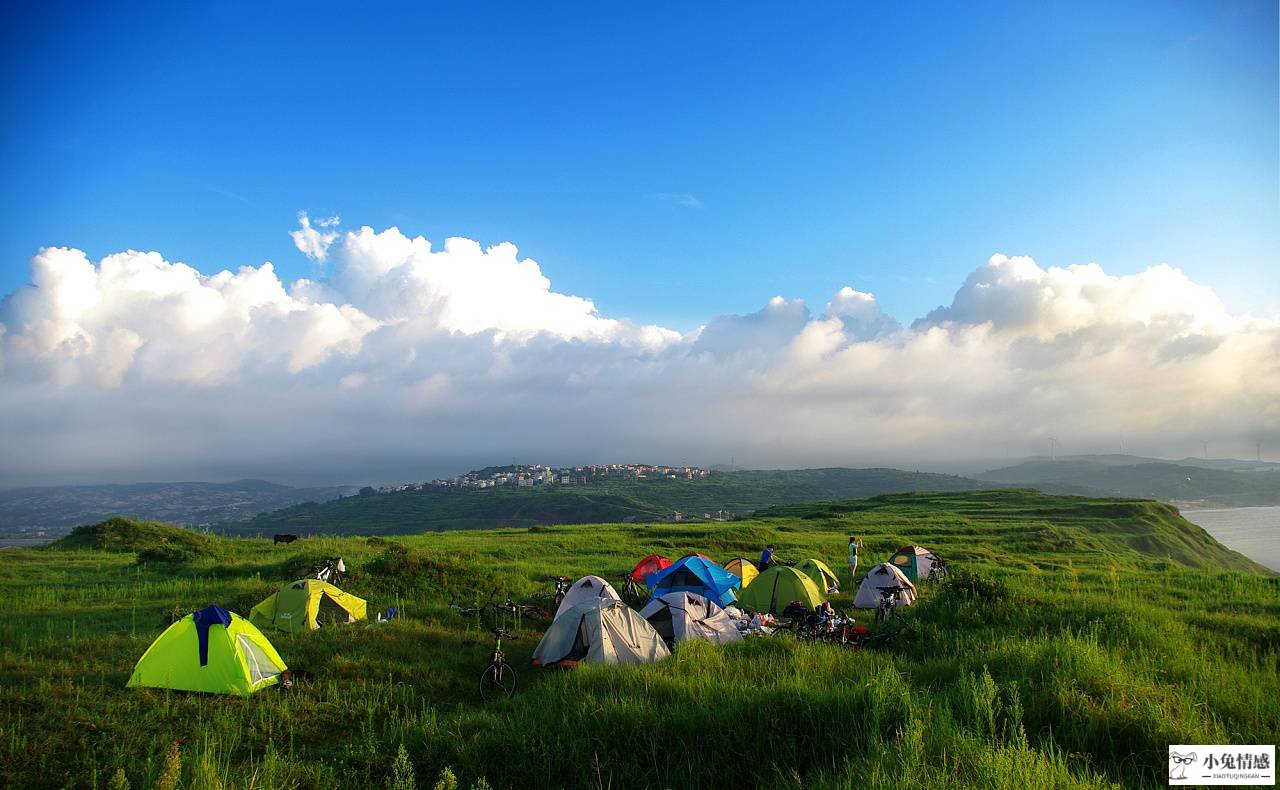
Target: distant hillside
(1117,459)
(1103,476)
(56,509)
(1028,522)
(737,493)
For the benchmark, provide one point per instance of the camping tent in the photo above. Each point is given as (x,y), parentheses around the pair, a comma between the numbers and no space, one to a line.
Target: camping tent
(822,576)
(585,589)
(693,573)
(651,564)
(308,604)
(211,650)
(914,561)
(742,568)
(678,616)
(779,586)
(599,631)
(883,575)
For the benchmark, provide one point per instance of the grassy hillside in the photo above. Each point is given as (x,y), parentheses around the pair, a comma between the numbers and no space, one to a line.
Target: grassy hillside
(1081,638)
(1155,480)
(401,512)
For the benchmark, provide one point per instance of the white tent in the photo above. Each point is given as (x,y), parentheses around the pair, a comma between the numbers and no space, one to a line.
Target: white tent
(884,575)
(585,589)
(600,631)
(682,615)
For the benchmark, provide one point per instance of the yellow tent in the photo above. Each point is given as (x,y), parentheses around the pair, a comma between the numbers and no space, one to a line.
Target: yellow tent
(308,604)
(822,576)
(777,587)
(211,650)
(743,569)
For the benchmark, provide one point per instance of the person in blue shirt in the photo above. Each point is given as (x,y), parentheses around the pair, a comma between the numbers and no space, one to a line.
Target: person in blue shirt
(766,558)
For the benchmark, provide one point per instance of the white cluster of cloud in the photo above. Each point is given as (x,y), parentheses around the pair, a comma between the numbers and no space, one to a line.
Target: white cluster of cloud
(408,360)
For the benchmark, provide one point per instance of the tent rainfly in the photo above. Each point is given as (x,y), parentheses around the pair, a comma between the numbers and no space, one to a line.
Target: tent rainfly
(742,568)
(585,589)
(914,561)
(308,604)
(821,575)
(678,616)
(882,576)
(779,586)
(695,573)
(599,631)
(211,650)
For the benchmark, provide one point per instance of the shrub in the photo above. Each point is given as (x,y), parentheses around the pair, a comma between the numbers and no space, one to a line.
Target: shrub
(167,552)
(402,777)
(402,569)
(171,544)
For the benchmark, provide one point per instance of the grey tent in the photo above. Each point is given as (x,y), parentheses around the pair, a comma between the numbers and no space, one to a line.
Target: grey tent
(586,589)
(599,631)
(682,615)
(879,577)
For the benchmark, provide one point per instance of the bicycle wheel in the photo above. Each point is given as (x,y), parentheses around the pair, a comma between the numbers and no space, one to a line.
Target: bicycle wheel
(497,680)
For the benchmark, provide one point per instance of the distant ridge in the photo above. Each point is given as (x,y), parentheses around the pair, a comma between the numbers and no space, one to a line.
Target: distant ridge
(56,509)
(719,495)
(1227,483)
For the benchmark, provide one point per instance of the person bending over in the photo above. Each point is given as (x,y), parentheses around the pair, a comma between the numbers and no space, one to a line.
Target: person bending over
(766,558)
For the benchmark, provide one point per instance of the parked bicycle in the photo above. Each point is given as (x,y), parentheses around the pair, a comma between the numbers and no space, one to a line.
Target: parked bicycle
(485,612)
(499,678)
(549,602)
(633,592)
(332,571)
(937,571)
(887,608)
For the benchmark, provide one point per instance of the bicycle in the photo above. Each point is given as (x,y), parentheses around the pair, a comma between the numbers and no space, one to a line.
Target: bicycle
(483,612)
(887,608)
(632,591)
(499,677)
(332,571)
(937,571)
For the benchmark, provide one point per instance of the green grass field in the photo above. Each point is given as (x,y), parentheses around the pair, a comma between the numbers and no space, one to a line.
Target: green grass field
(1085,637)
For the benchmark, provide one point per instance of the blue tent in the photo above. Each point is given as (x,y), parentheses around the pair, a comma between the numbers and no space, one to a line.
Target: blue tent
(700,575)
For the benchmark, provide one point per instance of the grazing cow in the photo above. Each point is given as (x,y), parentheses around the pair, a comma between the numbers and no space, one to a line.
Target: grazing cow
(284,539)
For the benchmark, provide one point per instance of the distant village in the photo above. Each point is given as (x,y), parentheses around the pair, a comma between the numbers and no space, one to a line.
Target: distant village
(533,475)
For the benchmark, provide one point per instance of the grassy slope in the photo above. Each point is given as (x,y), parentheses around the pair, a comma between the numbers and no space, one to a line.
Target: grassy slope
(1078,670)
(403,512)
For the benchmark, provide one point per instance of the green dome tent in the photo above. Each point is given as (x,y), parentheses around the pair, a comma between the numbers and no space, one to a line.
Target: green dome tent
(777,587)
(210,650)
(308,604)
(915,562)
(822,576)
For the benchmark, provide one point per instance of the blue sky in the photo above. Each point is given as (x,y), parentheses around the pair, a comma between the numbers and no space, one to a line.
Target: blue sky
(671,162)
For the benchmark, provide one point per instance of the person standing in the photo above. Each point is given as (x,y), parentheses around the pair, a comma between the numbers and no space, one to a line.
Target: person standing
(766,558)
(854,543)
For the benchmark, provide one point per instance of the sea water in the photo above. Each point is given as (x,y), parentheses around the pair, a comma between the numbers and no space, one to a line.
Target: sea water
(1252,531)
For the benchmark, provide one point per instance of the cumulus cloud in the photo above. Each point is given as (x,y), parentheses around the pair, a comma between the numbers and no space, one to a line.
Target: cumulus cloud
(409,361)
(310,240)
